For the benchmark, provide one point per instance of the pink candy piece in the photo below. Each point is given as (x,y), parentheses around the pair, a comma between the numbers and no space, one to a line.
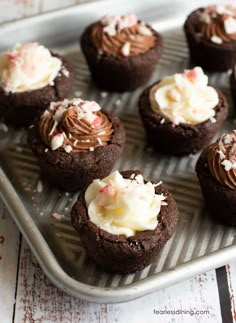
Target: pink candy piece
(96,122)
(191,75)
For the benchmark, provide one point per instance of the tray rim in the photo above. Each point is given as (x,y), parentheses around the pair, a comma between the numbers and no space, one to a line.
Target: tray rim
(42,251)
(91,293)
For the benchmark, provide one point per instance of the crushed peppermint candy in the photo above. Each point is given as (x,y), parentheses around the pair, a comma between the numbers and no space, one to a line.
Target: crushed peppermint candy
(3,127)
(68,149)
(144,30)
(230,25)
(118,102)
(39,186)
(99,141)
(58,216)
(65,72)
(103,94)
(114,24)
(222,155)
(213,120)
(227,164)
(216,40)
(125,49)
(78,93)
(57,141)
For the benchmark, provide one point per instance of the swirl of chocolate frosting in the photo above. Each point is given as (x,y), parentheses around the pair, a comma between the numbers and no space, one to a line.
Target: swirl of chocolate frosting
(222,160)
(75,125)
(113,38)
(218,22)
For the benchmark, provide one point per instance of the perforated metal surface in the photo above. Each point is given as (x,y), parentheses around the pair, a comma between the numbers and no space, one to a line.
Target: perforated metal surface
(196,235)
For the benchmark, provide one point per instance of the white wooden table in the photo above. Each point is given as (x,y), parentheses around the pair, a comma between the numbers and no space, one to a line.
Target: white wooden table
(26,295)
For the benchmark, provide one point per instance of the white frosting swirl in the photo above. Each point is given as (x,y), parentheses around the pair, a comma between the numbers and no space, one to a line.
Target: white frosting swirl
(185,98)
(123,206)
(27,67)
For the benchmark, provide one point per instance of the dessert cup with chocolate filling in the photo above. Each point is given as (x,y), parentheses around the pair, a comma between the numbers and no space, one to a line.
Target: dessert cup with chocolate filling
(31,77)
(181,113)
(232,81)
(123,221)
(216,171)
(121,52)
(76,141)
(211,37)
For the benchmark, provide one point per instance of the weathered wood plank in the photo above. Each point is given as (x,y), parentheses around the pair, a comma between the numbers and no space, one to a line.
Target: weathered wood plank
(55,4)
(9,247)
(39,301)
(231,275)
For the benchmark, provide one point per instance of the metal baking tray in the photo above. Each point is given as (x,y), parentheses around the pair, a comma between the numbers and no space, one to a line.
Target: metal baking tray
(42,213)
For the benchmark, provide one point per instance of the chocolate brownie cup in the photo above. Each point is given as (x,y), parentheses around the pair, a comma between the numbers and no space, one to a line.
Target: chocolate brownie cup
(216,171)
(211,37)
(30,78)
(123,221)
(76,141)
(121,52)
(181,113)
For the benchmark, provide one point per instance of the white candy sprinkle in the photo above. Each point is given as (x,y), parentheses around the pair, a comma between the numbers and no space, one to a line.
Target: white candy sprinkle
(125,50)
(227,165)
(91,149)
(102,133)
(68,149)
(65,72)
(57,141)
(39,186)
(75,142)
(216,40)
(205,17)
(58,216)
(53,127)
(78,93)
(213,120)
(99,141)
(46,150)
(222,155)
(3,127)
(117,102)
(144,30)
(103,94)
(162,121)
(157,184)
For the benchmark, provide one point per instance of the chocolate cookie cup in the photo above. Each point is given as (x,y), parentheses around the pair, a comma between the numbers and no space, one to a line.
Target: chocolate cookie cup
(232,81)
(121,52)
(211,37)
(19,108)
(216,171)
(179,138)
(118,253)
(76,141)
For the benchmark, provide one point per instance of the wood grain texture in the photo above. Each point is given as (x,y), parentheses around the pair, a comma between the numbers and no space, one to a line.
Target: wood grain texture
(16,9)
(9,246)
(37,300)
